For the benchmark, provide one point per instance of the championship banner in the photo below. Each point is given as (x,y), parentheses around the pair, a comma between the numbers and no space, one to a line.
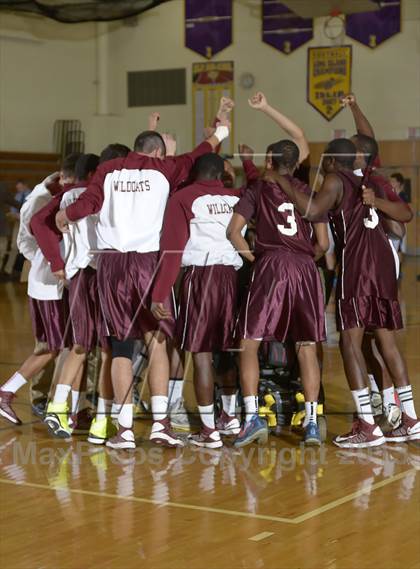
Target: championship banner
(329,78)
(373,28)
(283,29)
(211,81)
(208,26)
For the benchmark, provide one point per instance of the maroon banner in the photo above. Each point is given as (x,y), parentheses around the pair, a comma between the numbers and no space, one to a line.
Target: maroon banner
(208,26)
(373,28)
(283,29)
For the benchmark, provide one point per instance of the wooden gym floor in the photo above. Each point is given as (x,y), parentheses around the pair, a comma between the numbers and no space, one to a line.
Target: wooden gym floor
(67,505)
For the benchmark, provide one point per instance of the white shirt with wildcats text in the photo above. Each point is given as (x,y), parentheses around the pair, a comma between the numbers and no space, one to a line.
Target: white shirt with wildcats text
(132,213)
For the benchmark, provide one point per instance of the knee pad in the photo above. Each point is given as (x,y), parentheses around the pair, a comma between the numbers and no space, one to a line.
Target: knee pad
(122,348)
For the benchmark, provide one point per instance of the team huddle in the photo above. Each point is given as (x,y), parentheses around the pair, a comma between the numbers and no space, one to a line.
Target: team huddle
(147,245)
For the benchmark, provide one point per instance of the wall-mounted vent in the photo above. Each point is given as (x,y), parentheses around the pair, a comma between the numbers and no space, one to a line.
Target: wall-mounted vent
(156,88)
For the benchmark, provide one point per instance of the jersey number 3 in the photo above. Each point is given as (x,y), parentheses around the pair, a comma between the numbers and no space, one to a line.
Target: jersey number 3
(291,228)
(372,220)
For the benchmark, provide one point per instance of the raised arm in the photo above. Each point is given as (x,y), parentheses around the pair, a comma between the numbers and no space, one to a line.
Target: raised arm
(259,102)
(363,126)
(246,155)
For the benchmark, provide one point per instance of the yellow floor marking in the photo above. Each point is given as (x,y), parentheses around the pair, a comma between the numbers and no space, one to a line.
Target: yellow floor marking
(261,536)
(297,520)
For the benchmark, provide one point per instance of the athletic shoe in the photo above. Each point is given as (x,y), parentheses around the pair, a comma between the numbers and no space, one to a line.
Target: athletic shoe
(393,415)
(6,411)
(362,435)
(162,435)
(207,438)
(80,422)
(101,430)
(253,430)
(376,403)
(39,407)
(409,430)
(56,420)
(179,416)
(227,425)
(124,439)
(311,435)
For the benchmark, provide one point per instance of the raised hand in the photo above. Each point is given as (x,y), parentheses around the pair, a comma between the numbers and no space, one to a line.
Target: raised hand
(258,101)
(154,118)
(170,144)
(225,107)
(245,152)
(349,100)
(208,132)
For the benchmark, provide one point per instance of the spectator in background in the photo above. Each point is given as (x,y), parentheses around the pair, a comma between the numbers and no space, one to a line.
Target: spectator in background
(398,183)
(7,201)
(21,193)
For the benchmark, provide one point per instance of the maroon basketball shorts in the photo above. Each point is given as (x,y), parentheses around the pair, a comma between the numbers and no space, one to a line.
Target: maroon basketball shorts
(369,312)
(125,285)
(88,324)
(207,306)
(285,300)
(50,322)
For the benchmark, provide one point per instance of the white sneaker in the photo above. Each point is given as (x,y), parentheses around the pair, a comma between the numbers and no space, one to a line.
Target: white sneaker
(179,416)
(227,425)
(392,414)
(376,403)
(162,435)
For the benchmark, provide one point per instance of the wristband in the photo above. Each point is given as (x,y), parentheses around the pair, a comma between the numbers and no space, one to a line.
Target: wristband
(221,133)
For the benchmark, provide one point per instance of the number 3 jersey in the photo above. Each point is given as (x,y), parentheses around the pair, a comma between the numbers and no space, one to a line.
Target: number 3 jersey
(278,225)
(365,258)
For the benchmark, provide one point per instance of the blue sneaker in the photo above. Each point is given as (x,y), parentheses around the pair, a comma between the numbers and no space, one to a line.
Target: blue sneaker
(253,430)
(312,436)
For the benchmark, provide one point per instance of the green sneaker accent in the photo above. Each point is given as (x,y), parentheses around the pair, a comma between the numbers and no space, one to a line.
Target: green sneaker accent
(101,430)
(57,420)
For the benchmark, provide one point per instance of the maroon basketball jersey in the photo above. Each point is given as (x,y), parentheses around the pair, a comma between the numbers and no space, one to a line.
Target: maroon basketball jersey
(366,262)
(279,226)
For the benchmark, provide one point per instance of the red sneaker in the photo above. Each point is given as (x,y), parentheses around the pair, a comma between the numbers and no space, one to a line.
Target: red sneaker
(124,439)
(163,435)
(409,430)
(207,438)
(362,435)
(6,411)
(227,425)
(80,422)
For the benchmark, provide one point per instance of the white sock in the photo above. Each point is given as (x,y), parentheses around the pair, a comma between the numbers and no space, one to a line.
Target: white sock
(207,415)
(159,407)
(362,401)
(373,384)
(388,396)
(405,395)
(229,404)
(78,401)
(115,410)
(125,418)
(251,406)
(310,412)
(61,393)
(175,389)
(103,408)
(14,383)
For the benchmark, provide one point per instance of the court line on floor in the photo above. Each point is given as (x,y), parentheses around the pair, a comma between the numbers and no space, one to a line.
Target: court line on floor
(296,520)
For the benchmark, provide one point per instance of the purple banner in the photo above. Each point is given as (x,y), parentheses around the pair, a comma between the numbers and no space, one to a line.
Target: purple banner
(283,29)
(373,28)
(208,26)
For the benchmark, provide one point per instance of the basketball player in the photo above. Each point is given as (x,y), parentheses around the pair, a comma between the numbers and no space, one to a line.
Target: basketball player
(48,300)
(366,295)
(130,194)
(194,236)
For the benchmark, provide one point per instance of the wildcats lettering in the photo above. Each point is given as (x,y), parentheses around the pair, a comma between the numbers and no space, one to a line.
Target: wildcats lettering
(219,208)
(132,186)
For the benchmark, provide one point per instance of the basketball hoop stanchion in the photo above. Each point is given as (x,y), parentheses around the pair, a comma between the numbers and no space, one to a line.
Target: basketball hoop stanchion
(334,27)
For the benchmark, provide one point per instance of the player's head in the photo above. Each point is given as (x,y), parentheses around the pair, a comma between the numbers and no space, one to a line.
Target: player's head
(397,181)
(367,150)
(229,175)
(112,151)
(209,167)
(67,171)
(340,154)
(151,143)
(86,167)
(282,155)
